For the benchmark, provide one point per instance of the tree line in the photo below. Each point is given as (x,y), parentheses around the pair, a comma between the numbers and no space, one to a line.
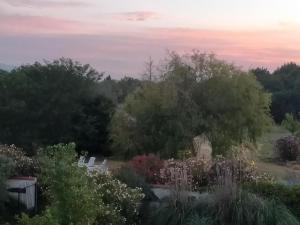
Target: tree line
(65,101)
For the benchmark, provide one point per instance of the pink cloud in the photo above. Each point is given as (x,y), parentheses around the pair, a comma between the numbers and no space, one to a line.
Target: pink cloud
(137,16)
(46,3)
(123,52)
(25,25)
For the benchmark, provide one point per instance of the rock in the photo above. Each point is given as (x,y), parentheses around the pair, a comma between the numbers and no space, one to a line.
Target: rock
(202,148)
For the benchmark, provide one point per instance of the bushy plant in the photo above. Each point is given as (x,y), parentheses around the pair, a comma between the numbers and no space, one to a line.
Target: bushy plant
(24,165)
(76,197)
(226,206)
(121,203)
(147,166)
(289,195)
(6,169)
(287,148)
(201,173)
(127,175)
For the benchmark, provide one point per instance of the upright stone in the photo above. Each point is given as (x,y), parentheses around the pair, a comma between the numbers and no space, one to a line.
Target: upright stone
(202,148)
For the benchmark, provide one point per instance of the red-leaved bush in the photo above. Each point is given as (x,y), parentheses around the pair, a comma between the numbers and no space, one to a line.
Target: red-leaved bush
(148,166)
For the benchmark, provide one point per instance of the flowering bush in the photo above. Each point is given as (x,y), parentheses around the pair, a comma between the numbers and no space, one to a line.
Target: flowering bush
(121,203)
(148,166)
(24,165)
(288,148)
(192,172)
(76,197)
(199,173)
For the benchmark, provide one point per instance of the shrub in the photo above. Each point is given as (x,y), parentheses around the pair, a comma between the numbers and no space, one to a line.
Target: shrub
(24,165)
(147,166)
(287,148)
(226,206)
(201,173)
(289,195)
(76,197)
(6,169)
(127,175)
(120,202)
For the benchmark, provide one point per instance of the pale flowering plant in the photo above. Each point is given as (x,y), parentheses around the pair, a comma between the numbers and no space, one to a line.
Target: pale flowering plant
(201,173)
(121,203)
(24,165)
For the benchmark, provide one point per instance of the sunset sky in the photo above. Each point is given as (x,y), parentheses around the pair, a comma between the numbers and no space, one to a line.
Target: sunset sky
(117,36)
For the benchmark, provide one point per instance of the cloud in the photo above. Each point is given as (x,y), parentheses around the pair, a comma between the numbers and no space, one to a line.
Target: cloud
(46,3)
(137,15)
(123,52)
(27,25)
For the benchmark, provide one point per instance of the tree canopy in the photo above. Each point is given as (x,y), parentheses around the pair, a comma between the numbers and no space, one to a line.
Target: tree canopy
(54,102)
(284,84)
(196,94)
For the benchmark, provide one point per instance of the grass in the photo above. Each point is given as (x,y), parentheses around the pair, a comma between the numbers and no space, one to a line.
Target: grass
(265,159)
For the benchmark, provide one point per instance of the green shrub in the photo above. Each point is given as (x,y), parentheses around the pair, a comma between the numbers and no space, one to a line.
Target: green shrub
(225,206)
(287,148)
(121,203)
(6,169)
(128,176)
(289,195)
(76,197)
(24,165)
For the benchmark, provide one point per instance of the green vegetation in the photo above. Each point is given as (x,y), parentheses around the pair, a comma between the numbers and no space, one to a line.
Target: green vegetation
(54,102)
(284,85)
(196,94)
(75,198)
(46,106)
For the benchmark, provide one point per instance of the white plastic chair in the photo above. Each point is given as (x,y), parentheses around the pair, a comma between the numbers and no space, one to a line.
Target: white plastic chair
(91,164)
(81,161)
(103,167)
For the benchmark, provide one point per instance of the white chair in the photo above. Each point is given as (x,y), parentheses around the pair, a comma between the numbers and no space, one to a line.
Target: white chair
(91,164)
(103,166)
(81,161)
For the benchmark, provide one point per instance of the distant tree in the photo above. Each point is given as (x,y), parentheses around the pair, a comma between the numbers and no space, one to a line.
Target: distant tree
(291,124)
(196,94)
(149,70)
(284,84)
(54,102)
(117,90)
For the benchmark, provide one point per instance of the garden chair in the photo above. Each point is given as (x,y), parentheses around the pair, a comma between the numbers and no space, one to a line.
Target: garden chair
(103,168)
(91,164)
(81,161)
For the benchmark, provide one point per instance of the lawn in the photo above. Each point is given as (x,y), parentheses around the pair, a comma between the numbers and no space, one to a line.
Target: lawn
(286,172)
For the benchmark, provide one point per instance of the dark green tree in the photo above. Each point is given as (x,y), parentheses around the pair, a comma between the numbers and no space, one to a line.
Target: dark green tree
(53,102)
(197,94)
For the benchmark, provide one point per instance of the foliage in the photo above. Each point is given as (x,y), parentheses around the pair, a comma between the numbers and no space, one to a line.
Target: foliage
(120,202)
(118,90)
(289,195)
(196,94)
(201,173)
(128,176)
(291,124)
(226,206)
(6,170)
(24,165)
(152,120)
(53,102)
(77,198)
(147,166)
(284,85)
(68,188)
(234,109)
(287,148)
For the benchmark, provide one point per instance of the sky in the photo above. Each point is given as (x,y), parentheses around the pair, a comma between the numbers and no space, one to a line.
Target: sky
(119,36)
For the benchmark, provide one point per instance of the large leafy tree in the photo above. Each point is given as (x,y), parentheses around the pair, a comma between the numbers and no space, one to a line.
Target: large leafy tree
(53,102)
(284,84)
(196,94)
